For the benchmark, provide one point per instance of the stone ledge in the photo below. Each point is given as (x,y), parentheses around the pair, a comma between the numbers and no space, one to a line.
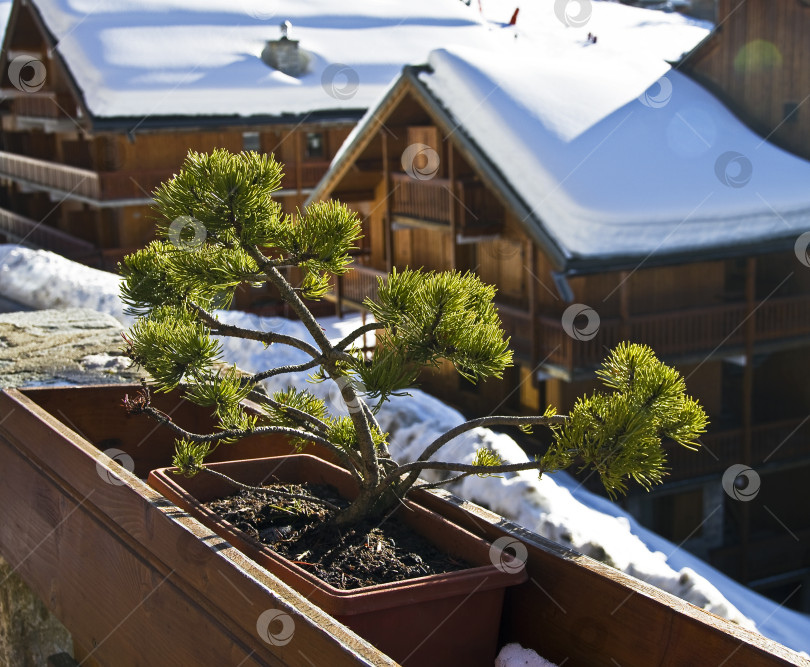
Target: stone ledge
(71,346)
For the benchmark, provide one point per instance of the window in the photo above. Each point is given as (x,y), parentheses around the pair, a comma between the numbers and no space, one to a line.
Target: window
(314,147)
(679,516)
(251,142)
(790,112)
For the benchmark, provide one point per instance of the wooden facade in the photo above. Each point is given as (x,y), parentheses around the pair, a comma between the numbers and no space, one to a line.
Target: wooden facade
(82,188)
(758,62)
(737,328)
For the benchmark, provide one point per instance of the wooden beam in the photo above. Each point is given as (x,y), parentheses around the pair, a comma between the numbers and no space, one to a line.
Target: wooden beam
(451,176)
(389,241)
(531,283)
(747,407)
(624,305)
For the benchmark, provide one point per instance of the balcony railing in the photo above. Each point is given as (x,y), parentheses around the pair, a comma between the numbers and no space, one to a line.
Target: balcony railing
(83,182)
(692,332)
(44,105)
(790,548)
(432,200)
(786,440)
(428,200)
(311,173)
(357,284)
(79,182)
(23,230)
(677,333)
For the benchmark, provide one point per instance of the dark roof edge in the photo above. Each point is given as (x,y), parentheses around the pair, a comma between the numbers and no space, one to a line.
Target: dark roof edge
(580,266)
(133,124)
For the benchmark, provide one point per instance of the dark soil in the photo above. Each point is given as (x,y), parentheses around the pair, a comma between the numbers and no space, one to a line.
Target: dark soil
(348,557)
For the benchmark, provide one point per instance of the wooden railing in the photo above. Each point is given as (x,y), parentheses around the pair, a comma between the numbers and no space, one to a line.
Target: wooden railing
(428,200)
(677,333)
(83,182)
(696,331)
(80,182)
(431,201)
(358,283)
(19,229)
(786,440)
(44,105)
(311,173)
(791,547)
(517,324)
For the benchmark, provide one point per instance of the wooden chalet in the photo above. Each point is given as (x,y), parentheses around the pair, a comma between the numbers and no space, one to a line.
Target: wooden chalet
(89,178)
(758,62)
(734,317)
(100,109)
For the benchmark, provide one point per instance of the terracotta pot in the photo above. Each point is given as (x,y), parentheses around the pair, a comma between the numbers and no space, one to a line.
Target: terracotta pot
(444,619)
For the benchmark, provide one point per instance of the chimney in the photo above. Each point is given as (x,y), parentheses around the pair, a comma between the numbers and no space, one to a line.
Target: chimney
(284,55)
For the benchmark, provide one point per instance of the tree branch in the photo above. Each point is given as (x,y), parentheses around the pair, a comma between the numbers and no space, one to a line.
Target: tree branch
(299,368)
(446,437)
(266,337)
(371,326)
(468,469)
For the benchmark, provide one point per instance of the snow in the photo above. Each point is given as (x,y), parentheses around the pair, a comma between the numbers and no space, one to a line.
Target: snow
(185,57)
(618,155)
(40,280)
(555,506)
(514,655)
(5,10)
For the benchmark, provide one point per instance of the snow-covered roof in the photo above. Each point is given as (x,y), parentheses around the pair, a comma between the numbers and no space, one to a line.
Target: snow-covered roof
(133,58)
(617,156)
(169,58)
(614,155)
(5,10)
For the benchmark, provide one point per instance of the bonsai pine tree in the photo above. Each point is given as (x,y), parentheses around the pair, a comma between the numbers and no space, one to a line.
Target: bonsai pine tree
(220,228)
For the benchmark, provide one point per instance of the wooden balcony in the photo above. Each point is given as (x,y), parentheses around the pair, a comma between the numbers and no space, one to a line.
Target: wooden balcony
(695,332)
(793,556)
(428,201)
(44,105)
(19,229)
(303,175)
(786,440)
(353,287)
(434,200)
(82,183)
(676,334)
(50,175)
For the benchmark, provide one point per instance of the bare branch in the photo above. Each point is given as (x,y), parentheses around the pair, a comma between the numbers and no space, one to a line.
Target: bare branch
(468,469)
(442,440)
(371,326)
(266,337)
(299,368)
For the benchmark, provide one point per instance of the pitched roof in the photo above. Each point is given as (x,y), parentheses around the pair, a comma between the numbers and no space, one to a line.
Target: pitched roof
(612,158)
(193,58)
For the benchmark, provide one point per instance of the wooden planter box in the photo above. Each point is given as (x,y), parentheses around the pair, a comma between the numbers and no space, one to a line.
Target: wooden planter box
(138,582)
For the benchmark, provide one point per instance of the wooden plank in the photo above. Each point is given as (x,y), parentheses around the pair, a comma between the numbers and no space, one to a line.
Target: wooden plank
(577,611)
(68,528)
